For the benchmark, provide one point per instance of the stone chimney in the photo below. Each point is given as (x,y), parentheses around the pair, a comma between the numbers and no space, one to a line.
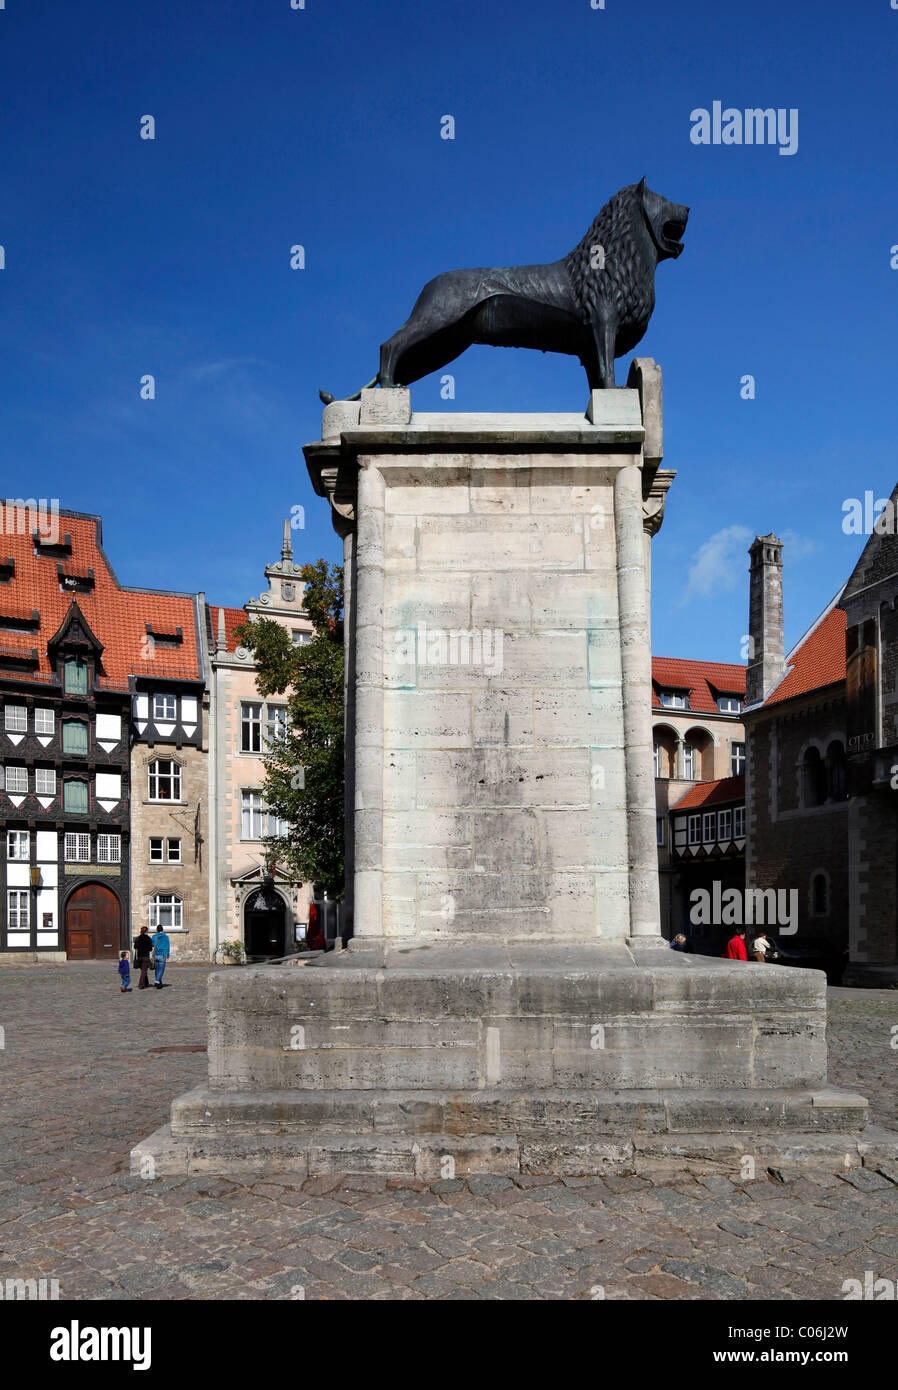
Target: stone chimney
(766,643)
(221,642)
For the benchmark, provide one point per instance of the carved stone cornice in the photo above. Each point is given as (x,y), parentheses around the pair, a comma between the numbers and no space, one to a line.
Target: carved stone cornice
(653,506)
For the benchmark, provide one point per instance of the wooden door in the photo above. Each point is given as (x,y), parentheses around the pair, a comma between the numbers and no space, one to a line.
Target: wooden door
(92,924)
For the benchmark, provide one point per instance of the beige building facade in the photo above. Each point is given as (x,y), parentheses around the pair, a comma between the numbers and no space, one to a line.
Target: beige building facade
(252,902)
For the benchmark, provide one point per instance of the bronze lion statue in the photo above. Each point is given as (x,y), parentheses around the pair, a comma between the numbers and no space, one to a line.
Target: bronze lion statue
(595,303)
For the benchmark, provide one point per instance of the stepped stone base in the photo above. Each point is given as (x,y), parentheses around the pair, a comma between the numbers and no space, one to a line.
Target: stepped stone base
(437,1061)
(425,1156)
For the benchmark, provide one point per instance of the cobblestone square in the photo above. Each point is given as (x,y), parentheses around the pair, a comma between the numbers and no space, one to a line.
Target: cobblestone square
(88,1071)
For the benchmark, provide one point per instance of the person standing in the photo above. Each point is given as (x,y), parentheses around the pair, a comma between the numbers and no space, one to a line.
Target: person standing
(762,947)
(162,951)
(143,949)
(124,970)
(736,946)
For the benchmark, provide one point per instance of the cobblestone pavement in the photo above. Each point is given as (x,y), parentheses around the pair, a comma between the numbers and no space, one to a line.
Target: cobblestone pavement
(83,1077)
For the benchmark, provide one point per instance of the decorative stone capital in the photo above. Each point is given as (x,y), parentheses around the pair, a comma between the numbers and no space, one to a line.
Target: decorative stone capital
(653,505)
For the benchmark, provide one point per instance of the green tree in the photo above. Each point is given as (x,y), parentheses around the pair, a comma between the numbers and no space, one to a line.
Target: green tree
(304,768)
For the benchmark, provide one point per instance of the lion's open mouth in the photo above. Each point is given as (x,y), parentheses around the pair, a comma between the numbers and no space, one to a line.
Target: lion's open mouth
(672,232)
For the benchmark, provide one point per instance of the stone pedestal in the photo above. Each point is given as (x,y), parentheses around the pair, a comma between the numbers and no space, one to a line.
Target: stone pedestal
(500,740)
(507,1002)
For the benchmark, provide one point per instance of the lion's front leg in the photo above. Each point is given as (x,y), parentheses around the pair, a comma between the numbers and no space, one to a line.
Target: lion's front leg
(604,338)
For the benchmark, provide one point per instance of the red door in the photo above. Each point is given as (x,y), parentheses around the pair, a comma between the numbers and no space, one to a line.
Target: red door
(92,924)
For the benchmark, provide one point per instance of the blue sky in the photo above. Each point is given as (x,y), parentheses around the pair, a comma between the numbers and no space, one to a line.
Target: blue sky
(321,127)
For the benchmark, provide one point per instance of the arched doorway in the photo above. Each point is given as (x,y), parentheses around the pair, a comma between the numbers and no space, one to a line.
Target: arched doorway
(264,923)
(93,924)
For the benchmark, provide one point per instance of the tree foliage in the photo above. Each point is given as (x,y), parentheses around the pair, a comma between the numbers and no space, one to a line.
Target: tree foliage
(304,769)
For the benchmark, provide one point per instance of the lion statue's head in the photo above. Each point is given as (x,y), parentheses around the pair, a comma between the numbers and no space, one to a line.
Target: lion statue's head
(636,229)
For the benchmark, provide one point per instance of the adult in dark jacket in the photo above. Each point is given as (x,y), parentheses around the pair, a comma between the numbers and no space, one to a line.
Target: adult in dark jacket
(143,949)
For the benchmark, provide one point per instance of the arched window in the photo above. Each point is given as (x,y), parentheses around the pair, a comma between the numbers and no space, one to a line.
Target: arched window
(813,779)
(819,895)
(164,780)
(165,910)
(836,771)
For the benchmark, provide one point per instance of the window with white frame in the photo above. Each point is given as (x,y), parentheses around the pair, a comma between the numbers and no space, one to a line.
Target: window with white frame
(695,830)
(276,723)
(251,728)
(689,762)
(45,781)
(15,719)
(659,760)
(729,704)
(77,848)
(739,822)
(165,708)
(275,826)
(109,849)
(737,759)
(156,850)
(18,916)
(17,845)
(164,780)
(709,826)
(174,851)
(659,830)
(674,699)
(44,721)
(251,819)
(16,779)
(166,910)
(301,639)
(725,825)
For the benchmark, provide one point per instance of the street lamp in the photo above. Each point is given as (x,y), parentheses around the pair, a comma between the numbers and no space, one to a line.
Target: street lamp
(35,875)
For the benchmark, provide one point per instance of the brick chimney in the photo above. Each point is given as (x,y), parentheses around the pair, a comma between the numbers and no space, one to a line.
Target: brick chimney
(766,646)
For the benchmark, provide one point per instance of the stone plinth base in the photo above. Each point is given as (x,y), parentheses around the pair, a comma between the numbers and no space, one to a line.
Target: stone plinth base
(436,1061)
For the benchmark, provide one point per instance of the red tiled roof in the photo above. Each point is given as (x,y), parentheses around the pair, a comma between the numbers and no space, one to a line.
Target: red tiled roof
(703,679)
(711,793)
(118,616)
(818,660)
(233,619)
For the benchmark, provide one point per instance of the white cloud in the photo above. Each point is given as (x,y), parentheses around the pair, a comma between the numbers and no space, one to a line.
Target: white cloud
(721,562)
(796,547)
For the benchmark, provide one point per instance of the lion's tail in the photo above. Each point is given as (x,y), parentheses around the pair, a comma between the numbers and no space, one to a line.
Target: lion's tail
(327,399)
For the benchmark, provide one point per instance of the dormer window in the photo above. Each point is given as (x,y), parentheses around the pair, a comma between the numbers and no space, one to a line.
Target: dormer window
(7,569)
(75,675)
(48,545)
(730,704)
(71,581)
(17,619)
(165,639)
(674,699)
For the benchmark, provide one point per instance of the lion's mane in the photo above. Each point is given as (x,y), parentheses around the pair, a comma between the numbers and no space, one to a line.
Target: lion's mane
(621,284)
